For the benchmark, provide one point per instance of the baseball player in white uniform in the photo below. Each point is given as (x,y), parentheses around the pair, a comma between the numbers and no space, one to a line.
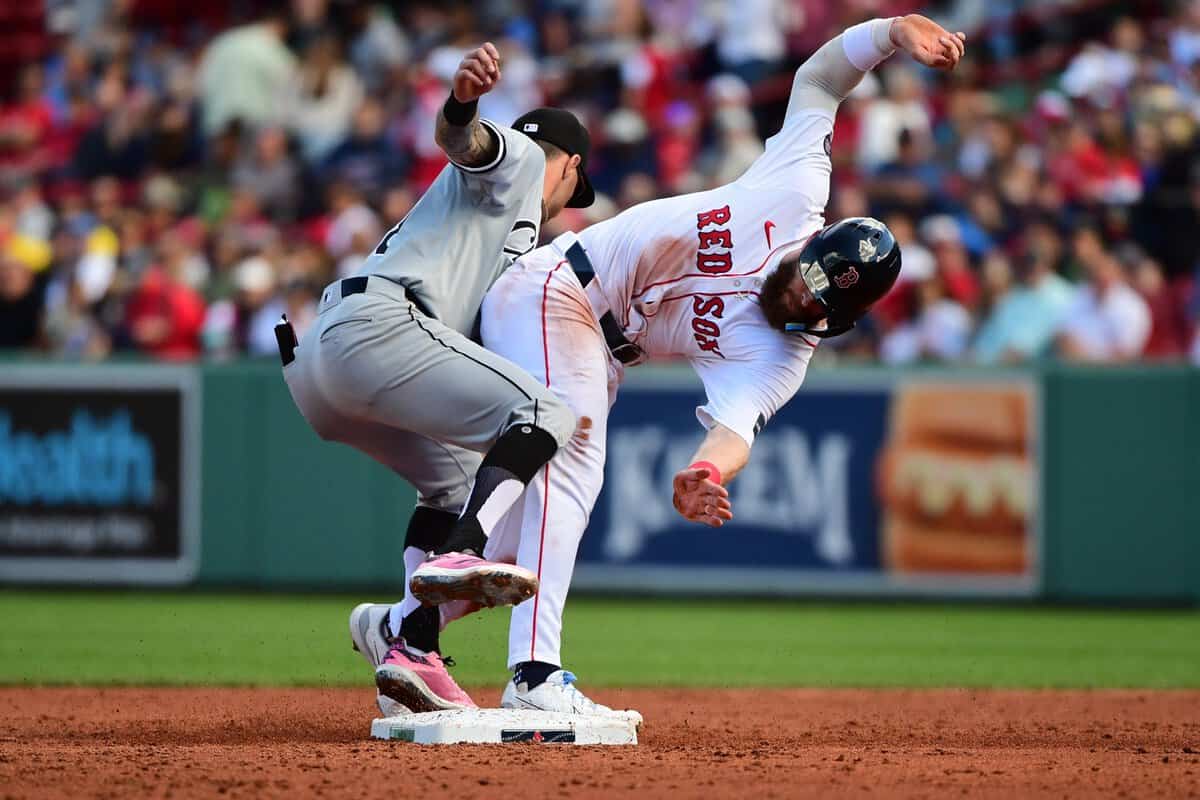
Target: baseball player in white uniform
(742,281)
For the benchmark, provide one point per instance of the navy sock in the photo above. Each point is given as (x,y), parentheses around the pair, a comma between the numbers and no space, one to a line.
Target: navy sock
(467,537)
(533,673)
(420,628)
(428,530)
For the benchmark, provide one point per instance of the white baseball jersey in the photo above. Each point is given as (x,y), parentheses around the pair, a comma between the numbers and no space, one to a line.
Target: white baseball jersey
(682,274)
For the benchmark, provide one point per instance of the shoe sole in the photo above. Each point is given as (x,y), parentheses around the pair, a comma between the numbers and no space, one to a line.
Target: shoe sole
(627,715)
(495,585)
(360,629)
(410,690)
(389,707)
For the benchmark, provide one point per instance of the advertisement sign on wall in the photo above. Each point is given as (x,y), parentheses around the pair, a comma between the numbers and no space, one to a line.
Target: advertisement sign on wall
(98,474)
(863,484)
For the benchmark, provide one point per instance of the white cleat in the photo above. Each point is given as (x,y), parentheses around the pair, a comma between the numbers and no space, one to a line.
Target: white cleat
(369,635)
(369,632)
(558,694)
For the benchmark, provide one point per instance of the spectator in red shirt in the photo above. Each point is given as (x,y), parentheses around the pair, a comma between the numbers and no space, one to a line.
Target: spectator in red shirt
(676,147)
(944,236)
(1168,318)
(1097,171)
(25,127)
(164,315)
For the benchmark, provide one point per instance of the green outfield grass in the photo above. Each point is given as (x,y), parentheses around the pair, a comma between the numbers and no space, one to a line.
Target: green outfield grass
(227,639)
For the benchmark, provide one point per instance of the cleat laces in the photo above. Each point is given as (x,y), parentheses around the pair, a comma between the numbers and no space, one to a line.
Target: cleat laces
(578,698)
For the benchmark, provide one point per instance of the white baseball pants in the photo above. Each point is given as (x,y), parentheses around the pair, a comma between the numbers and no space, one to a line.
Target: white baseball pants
(538,316)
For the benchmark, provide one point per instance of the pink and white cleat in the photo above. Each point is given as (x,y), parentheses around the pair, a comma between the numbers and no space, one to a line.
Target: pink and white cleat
(419,682)
(461,576)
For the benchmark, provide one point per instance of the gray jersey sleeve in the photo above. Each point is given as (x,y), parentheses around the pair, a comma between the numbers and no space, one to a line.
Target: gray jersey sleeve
(465,230)
(510,174)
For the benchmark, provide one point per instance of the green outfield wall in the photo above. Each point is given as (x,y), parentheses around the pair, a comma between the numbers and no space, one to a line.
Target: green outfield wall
(283,508)
(263,503)
(1122,483)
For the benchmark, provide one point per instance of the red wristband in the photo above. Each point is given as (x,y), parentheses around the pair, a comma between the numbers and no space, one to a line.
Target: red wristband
(714,474)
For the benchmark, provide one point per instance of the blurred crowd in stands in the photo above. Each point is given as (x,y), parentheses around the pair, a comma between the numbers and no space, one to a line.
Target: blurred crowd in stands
(175,176)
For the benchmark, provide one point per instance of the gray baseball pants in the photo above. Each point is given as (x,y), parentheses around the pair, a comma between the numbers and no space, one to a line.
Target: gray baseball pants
(377,374)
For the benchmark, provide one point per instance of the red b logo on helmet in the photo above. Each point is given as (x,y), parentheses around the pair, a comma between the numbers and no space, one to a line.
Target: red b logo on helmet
(847,278)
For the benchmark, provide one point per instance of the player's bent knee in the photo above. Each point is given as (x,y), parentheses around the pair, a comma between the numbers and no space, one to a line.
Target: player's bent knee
(522,450)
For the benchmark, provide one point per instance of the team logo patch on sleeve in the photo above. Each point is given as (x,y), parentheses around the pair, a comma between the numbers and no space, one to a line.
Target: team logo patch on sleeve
(522,238)
(829,144)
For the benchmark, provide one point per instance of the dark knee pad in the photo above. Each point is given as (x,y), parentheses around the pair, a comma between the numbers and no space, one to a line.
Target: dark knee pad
(522,450)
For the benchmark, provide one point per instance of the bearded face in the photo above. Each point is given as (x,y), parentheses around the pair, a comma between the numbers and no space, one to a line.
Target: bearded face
(785,297)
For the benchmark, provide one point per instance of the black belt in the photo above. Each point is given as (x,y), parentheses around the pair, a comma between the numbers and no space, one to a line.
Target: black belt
(285,334)
(622,349)
(355,285)
(358,285)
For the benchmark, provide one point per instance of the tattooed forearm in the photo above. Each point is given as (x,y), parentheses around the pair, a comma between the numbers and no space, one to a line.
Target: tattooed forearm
(471,145)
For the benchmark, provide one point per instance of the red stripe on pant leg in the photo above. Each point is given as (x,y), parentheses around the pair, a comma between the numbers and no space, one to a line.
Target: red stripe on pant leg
(546,469)
(541,545)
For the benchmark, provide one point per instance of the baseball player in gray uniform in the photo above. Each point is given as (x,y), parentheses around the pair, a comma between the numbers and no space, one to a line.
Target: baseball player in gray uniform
(389,368)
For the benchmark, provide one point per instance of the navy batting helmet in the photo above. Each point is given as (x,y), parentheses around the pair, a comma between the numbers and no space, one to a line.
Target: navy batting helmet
(847,266)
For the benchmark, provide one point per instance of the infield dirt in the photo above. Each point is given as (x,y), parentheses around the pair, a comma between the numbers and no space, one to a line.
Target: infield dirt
(180,743)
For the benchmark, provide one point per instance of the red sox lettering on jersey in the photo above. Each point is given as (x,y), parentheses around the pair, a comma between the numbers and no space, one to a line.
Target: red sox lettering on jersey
(668,271)
(708,331)
(713,257)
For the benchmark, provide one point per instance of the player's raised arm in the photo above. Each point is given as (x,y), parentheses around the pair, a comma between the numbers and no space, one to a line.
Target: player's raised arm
(828,77)
(459,133)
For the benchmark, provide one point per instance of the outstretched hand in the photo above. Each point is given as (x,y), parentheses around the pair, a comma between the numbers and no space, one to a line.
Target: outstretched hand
(927,42)
(699,499)
(477,74)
